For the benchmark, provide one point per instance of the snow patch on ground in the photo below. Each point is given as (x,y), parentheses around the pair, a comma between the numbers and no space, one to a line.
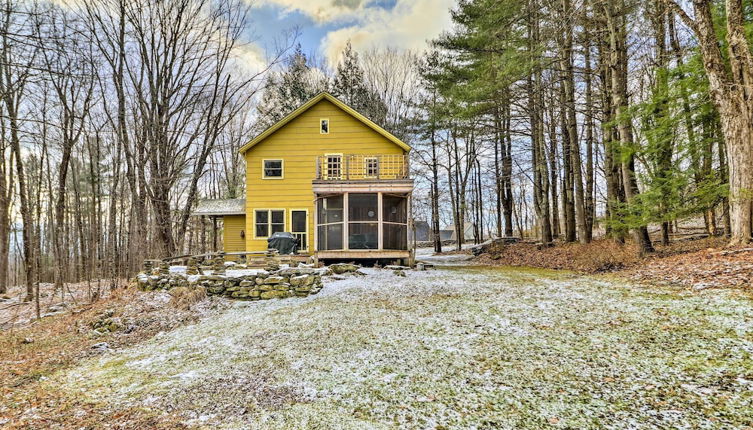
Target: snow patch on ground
(462,347)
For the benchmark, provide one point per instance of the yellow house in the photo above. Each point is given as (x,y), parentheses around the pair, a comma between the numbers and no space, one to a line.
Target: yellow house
(327,174)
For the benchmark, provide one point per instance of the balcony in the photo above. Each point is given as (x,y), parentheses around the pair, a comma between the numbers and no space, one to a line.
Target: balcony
(349,173)
(357,167)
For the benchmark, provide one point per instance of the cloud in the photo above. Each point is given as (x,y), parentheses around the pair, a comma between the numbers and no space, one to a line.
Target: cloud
(321,11)
(408,26)
(251,56)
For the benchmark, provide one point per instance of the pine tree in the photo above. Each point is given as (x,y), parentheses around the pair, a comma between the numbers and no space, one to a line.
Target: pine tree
(287,90)
(350,86)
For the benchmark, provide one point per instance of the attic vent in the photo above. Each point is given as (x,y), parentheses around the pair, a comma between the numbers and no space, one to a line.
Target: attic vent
(324,126)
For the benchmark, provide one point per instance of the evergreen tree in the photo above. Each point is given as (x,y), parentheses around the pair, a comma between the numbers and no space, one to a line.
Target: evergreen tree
(350,86)
(287,90)
(678,126)
(484,56)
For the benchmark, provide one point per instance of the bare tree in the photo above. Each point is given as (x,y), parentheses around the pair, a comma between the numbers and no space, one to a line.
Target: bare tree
(18,53)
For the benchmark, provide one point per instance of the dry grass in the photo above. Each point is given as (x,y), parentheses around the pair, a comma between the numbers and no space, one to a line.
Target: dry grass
(185,297)
(29,355)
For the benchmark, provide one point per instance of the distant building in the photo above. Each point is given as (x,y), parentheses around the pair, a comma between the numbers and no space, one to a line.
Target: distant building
(422,230)
(449,232)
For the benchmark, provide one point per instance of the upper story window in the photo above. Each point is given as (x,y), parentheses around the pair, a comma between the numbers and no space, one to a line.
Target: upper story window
(272,169)
(371,167)
(324,126)
(334,166)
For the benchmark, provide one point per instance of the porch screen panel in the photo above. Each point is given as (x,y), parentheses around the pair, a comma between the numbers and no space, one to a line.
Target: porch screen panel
(395,209)
(396,237)
(330,210)
(330,223)
(395,226)
(330,237)
(363,221)
(363,207)
(363,236)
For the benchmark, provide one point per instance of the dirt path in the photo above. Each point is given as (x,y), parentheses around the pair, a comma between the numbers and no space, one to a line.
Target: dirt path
(458,347)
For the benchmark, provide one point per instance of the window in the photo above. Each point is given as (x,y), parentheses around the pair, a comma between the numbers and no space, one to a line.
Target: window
(272,169)
(324,126)
(334,166)
(371,167)
(269,222)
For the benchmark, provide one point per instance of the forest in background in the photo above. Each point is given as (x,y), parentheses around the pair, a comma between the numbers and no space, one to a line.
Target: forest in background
(554,119)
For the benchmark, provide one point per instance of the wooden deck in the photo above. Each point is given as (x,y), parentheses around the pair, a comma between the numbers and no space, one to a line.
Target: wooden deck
(363,255)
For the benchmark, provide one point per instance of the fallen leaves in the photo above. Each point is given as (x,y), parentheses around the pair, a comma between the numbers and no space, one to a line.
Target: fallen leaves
(598,256)
(699,270)
(28,355)
(696,264)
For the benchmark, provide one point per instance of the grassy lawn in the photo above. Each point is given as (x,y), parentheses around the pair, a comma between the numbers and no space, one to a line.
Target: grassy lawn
(448,348)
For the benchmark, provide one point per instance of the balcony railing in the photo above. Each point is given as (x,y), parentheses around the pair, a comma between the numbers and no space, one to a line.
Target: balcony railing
(357,167)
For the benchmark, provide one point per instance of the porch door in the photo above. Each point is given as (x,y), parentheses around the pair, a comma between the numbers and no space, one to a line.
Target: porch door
(299,227)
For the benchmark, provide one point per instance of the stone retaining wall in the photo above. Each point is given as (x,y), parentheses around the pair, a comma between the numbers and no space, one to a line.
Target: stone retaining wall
(258,285)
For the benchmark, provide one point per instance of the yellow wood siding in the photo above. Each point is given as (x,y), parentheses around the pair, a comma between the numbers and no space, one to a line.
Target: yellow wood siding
(231,233)
(299,143)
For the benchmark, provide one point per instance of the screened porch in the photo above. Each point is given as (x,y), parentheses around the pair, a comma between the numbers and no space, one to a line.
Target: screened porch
(367,222)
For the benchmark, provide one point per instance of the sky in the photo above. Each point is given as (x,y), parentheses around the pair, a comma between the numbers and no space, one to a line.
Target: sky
(325,26)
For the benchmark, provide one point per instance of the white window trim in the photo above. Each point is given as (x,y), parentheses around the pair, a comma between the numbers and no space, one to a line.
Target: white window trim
(366,161)
(269,220)
(329,125)
(263,169)
(342,165)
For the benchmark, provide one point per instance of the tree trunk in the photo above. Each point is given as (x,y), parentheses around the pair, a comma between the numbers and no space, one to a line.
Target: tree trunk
(538,155)
(731,89)
(498,145)
(553,177)
(568,193)
(589,203)
(436,237)
(6,194)
(508,201)
(615,193)
(572,123)
(619,65)
(26,215)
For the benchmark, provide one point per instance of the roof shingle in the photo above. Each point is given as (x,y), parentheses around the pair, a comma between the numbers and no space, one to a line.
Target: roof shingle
(220,207)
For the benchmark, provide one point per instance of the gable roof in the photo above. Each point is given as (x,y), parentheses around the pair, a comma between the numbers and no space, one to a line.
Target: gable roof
(308,105)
